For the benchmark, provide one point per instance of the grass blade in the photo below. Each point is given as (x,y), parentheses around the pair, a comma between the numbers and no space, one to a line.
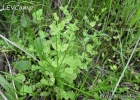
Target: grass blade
(124,69)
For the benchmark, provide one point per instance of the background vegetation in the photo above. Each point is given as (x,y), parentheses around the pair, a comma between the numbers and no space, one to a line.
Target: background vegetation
(70,50)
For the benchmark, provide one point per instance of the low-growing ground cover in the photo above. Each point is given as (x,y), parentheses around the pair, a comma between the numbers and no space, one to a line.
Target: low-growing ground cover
(67,50)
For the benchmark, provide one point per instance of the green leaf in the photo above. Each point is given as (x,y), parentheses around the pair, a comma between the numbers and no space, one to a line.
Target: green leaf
(37,16)
(97,42)
(68,59)
(4,83)
(96,18)
(34,68)
(26,89)
(66,12)
(85,17)
(25,21)
(71,37)
(64,47)
(63,75)
(54,63)
(54,29)
(44,93)
(38,45)
(46,72)
(44,81)
(71,94)
(23,65)
(89,48)
(20,77)
(84,66)
(73,27)
(75,63)
(54,46)
(73,76)
(86,39)
(64,9)
(15,19)
(31,48)
(92,24)
(41,34)
(42,63)
(53,25)
(52,79)
(85,33)
(2,43)
(135,18)
(68,19)
(61,25)
(55,17)
(8,88)
(64,94)
(103,9)
(69,70)
(113,67)
(96,95)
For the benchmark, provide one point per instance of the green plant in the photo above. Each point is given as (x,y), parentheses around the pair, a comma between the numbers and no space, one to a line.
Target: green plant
(59,60)
(72,59)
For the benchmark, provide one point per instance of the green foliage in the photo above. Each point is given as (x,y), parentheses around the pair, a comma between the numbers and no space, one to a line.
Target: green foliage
(25,22)
(23,65)
(79,49)
(8,87)
(37,16)
(135,18)
(59,58)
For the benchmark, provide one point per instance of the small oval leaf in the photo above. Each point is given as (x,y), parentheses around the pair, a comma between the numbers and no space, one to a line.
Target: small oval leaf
(69,70)
(23,65)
